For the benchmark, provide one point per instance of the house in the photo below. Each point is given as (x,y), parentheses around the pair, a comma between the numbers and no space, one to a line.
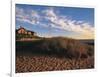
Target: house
(22,30)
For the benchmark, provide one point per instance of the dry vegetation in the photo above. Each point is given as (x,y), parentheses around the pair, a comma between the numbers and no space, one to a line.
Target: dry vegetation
(53,54)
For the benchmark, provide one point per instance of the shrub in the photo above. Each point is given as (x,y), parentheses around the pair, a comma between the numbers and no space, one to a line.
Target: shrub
(58,46)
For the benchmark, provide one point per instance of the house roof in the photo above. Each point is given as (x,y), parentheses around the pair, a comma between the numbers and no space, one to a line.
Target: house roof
(25,29)
(30,31)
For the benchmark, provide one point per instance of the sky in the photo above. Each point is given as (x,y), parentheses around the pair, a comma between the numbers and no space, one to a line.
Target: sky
(54,21)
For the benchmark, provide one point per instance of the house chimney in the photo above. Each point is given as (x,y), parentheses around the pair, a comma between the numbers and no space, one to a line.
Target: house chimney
(21,27)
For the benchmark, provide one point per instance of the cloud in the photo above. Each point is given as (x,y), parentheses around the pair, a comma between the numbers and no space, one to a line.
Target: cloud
(19,11)
(83,29)
(32,17)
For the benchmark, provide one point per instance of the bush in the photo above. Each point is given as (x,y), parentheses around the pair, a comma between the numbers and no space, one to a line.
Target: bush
(58,46)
